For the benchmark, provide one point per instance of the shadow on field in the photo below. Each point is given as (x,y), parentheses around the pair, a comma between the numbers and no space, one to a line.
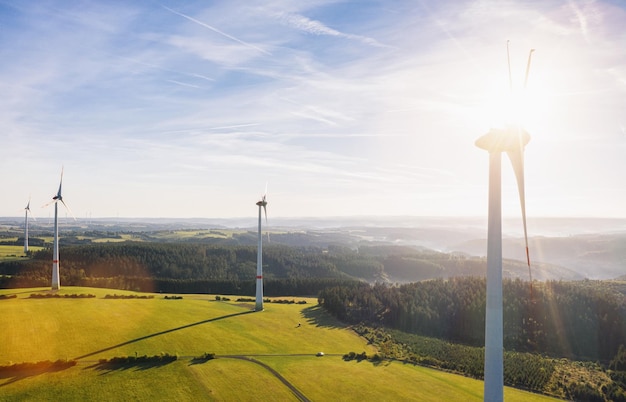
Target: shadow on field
(107,367)
(17,372)
(316,315)
(167,331)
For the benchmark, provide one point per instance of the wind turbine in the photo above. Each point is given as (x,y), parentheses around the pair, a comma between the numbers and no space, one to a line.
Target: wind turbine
(512,139)
(259,259)
(56,285)
(26,212)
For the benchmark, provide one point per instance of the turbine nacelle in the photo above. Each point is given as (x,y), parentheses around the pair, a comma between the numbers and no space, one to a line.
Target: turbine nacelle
(263,203)
(509,139)
(59,198)
(28,211)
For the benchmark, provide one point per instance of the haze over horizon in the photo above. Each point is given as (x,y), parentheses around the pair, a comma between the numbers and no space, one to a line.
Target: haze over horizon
(187,109)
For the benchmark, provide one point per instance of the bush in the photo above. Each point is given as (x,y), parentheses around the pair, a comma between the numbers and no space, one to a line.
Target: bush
(203,358)
(128,361)
(59,296)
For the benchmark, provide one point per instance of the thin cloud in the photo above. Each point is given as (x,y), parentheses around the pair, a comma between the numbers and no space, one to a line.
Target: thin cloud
(167,70)
(581,19)
(304,24)
(251,46)
(184,84)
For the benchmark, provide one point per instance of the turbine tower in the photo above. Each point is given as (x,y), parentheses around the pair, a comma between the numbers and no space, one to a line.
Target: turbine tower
(56,285)
(259,260)
(512,139)
(26,212)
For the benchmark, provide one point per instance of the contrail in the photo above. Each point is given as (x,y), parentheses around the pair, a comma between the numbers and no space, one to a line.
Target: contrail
(315,27)
(184,84)
(217,30)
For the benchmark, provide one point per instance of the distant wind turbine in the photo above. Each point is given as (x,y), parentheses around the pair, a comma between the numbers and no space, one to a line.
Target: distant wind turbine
(259,260)
(512,140)
(56,285)
(26,212)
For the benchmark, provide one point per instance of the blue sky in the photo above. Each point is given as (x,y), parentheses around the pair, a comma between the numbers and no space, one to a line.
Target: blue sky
(188,109)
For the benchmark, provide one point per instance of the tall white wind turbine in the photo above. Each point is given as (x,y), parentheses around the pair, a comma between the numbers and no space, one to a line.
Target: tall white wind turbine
(259,259)
(26,212)
(512,139)
(56,285)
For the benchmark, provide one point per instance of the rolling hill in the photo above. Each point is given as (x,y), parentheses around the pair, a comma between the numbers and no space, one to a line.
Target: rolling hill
(258,356)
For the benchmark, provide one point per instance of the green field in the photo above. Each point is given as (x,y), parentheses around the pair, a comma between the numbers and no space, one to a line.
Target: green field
(96,328)
(14,252)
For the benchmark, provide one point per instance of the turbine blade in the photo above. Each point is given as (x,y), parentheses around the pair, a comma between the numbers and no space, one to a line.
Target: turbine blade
(508,58)
(530,54)
(60,184)
(517,160)
(29,212)
(68,208)
(49,203)
(265,210)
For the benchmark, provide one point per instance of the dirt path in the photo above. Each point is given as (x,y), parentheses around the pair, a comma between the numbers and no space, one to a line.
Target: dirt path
(276,374)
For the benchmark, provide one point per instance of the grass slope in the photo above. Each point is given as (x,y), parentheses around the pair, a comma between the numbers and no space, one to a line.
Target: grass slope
(91,329)
(8,253)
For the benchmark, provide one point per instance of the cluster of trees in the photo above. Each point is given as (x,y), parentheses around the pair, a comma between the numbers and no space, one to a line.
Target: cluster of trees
(579,320)
(116,296)
(562,378)
(203,358)
(522,370)
(131,361)
(60,296)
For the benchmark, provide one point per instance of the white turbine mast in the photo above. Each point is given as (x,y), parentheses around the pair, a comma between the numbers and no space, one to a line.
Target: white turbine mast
(259,260)
(56,284)
(26,212)
(512,139)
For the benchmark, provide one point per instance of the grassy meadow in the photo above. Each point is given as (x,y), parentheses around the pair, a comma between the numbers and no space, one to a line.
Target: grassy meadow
(284,337)
(14,252)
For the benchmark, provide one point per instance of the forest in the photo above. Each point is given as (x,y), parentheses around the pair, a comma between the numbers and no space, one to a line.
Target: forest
(192,263)
(584,320)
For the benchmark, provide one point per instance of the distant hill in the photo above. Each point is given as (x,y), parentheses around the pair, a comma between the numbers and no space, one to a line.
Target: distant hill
(560,248)
(593,256)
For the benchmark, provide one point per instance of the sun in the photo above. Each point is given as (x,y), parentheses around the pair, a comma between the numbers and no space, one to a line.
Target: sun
(524,107)
(517,100)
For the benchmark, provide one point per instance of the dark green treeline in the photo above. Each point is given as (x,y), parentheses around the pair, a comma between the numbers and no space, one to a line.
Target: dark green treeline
(580,320)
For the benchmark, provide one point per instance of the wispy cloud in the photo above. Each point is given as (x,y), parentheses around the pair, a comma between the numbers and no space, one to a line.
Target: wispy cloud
(581,19)
(249,45)
(304,24)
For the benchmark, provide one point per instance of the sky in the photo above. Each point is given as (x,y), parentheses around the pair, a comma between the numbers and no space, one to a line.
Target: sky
(339,108)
